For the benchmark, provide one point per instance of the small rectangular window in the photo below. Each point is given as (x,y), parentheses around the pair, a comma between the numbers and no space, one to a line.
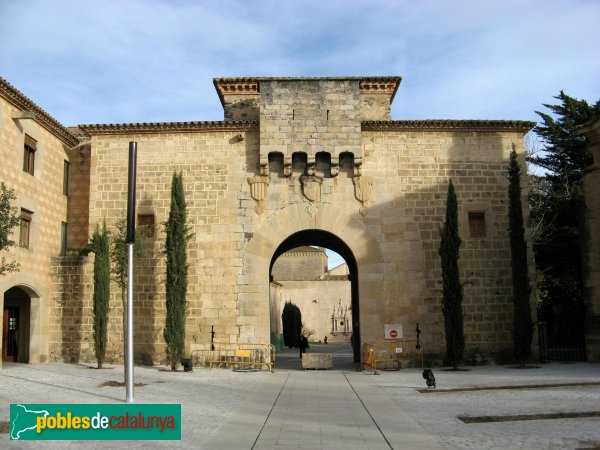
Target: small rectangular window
(25,228)
(146,224)
(63,238)
(477,224)
(66,178)
(29,154)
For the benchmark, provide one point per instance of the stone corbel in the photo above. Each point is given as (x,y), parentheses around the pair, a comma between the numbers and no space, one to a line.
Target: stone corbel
(311,166)
(363,191)
(357,166)
(22,115)
(287,166)
(258,191)
(264,166)
(335,166)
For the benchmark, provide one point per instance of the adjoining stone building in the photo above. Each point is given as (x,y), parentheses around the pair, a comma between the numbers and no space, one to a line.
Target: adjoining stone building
(37,156)
(301,276)
(591,182)
(296,162)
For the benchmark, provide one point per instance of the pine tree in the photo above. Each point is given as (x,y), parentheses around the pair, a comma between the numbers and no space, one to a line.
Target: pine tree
(8,220)
(452,295)
(559,208)
(522,325)
(100,247)
(177,273)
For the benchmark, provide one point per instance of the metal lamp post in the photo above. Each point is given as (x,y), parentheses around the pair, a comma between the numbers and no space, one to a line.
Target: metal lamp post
(130,242)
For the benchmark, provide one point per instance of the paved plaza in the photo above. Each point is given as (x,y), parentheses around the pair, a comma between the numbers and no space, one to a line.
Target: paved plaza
(339,408)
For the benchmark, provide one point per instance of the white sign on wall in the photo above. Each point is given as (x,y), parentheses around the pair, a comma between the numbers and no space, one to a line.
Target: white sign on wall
(393,331)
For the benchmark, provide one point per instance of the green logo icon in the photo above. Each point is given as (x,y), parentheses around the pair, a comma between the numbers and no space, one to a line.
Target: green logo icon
(95,422)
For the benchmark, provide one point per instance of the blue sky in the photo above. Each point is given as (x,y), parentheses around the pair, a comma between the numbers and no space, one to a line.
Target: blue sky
(120,61)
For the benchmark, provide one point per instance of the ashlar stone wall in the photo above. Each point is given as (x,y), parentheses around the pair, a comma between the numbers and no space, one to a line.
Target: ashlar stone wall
(213,168)
(386,207)
(42,195)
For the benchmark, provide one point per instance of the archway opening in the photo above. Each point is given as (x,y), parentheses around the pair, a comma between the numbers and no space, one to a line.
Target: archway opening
(319,240)
(16,325)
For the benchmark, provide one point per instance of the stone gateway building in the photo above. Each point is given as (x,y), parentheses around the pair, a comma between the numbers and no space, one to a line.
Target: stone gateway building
(295,162)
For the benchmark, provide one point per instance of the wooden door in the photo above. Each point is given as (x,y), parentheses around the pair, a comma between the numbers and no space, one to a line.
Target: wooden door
(10,333)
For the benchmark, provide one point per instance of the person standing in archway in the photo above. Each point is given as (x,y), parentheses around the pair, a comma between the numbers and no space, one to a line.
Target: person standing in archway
(302,344)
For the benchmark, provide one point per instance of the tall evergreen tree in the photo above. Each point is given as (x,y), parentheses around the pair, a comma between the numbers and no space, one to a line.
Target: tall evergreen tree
(558,207)
(177,273)
(100,247)
(452,295)
(8,220)
(291,319)
(565,156)
(522,325)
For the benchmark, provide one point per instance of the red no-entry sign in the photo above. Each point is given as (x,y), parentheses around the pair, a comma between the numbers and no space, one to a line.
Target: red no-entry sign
(392,331)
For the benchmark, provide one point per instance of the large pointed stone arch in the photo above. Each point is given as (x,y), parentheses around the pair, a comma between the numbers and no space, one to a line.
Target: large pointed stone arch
(253,297)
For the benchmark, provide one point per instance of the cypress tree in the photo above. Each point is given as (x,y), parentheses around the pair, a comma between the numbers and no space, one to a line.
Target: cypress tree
(100,247)
(522,326)
(452,295)
(177,273)
(291,319)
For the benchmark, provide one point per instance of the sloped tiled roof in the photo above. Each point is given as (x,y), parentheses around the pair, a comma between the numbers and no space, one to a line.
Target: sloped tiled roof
(20,101)
(161,127)
(251,85)
(448,125)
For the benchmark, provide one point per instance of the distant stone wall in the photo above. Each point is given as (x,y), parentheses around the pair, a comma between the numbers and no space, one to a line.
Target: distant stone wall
(303,263)
(318,301)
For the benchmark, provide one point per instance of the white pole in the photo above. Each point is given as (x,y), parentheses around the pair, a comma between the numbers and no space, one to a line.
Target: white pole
(129,361)
(130,240)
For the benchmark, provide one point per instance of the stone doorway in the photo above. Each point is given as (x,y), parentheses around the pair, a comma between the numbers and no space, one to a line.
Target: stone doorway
(325,239)
(15,325)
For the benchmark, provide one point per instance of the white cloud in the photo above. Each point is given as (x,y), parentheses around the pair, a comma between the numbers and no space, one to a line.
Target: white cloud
(139,60)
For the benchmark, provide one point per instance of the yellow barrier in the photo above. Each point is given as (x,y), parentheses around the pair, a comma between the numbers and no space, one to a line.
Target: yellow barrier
(384,353)
(240,356)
